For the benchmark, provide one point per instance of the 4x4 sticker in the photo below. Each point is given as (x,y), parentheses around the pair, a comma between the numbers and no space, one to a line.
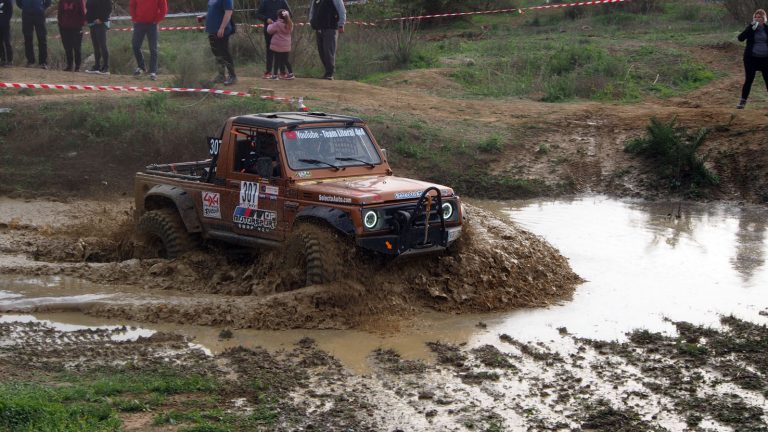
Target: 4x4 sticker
(258,220)
(211,205)
(408,195)
(249,195)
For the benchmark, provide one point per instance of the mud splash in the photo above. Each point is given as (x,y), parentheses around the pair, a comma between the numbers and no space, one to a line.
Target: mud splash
(495,267)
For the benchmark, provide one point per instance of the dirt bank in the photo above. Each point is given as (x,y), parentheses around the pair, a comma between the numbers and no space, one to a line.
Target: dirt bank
(495,267)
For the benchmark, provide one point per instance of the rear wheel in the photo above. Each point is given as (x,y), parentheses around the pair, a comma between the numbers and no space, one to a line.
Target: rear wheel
(163,234)
(313,254)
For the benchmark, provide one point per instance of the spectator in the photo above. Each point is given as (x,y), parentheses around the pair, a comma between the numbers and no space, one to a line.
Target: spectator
(281,45)
(146,16)
(219,26)
(71,20)
(33,20)
(6,49)
(97,14)
(267,12)
(755,54)
(327,18)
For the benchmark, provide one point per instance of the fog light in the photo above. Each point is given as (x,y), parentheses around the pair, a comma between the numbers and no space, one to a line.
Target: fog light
(447,211)
(370,219)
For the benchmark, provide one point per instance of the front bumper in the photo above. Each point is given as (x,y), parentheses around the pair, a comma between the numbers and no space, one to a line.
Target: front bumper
(411,242)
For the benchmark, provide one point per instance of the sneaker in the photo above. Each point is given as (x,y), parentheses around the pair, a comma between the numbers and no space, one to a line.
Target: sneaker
(290,76)
(67,69)
(328,77)
(220,78)
(8,64)
(742,104)
(93,70)
(103,72)
(267,75)
(273,77)
(138,72)
(153,76)
(231,80)
(43,66)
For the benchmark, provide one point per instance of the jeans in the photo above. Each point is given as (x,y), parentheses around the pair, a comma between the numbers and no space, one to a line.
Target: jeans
(140,30)
(326,47)
(751,66)
(36,24)
(100,49)
(220,49)
(72,39)
(6,49)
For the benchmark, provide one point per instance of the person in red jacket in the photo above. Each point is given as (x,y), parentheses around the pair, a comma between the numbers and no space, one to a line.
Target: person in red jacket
(71,21)
(146,16)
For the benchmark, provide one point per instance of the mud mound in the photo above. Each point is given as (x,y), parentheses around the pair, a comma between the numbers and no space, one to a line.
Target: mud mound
(494,267)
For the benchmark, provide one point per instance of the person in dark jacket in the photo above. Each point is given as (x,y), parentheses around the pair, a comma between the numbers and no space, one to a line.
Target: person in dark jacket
(146,16)
(6,49)
(218,25)
(267,13)
(33,21)
(97,14)
(327,18)
(755,54)
(71,20)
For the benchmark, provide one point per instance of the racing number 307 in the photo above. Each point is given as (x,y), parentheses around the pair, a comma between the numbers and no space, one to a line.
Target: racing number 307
(249,195)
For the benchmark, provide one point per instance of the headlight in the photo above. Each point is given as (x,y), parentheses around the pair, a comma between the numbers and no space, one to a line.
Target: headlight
(370,219)
(447,211)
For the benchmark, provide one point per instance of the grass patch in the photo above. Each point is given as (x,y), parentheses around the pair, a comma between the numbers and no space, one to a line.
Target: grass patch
(672,151)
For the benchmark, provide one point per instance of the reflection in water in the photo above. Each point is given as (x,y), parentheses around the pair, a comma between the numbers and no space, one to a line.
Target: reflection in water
(750,240)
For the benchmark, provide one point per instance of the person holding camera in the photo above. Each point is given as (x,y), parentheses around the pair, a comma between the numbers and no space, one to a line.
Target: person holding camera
(755,53)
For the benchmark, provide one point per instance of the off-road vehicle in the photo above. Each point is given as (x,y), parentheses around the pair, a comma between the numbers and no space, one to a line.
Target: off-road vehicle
(307,181)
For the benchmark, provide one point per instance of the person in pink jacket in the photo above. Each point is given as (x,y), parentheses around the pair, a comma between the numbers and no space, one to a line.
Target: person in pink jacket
(281,45)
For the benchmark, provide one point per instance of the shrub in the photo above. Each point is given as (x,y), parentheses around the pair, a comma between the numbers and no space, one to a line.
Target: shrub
(742,10)
(673,150)
(492,144)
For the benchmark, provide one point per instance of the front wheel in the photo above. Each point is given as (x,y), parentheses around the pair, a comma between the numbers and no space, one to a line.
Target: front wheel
(163,234)
(314,254)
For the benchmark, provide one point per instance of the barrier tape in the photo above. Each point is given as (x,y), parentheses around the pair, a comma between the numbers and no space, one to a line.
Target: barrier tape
(289,100)
(421,17)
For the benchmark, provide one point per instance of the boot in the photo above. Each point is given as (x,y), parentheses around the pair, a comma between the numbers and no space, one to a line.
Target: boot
(742,104)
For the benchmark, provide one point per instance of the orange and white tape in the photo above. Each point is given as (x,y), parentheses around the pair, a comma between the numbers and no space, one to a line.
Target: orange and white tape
(298,102)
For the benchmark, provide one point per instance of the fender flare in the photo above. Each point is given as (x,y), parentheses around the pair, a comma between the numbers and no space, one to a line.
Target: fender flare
(333,216)
(183,201)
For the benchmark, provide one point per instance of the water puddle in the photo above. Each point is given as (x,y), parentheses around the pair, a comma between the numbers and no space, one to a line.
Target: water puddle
(643,262)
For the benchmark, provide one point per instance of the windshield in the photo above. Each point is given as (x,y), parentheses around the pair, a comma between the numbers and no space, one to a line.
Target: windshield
(329,147)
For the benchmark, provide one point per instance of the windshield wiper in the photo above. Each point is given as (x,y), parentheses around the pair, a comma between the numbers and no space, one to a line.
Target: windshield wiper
(318,162)
(356,160)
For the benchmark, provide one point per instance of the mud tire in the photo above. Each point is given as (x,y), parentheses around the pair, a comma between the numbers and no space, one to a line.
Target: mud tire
(314,252)
(163,234)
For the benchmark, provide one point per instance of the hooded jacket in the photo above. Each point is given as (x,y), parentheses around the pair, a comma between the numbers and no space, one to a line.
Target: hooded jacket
(281,36)
(71,14)
(33,7)
(148,11)
(98,9)
(749,35)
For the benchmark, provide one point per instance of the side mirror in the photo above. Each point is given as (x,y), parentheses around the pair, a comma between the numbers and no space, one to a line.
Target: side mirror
(264,167)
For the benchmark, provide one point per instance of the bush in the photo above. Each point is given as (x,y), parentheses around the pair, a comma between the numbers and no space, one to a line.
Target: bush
(742,10)
(673,150)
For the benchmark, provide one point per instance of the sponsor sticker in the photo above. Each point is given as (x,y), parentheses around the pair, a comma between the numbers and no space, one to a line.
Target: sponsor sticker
(290,135)
(270,190)
(335,199)
(249,195)
(304,174)
(257,220)
(408,195)
(211,205)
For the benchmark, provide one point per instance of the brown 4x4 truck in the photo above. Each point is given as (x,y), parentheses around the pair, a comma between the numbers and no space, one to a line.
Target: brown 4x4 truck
(305,180)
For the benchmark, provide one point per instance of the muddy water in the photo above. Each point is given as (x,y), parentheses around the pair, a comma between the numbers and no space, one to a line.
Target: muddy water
(642,262)
(645,262)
